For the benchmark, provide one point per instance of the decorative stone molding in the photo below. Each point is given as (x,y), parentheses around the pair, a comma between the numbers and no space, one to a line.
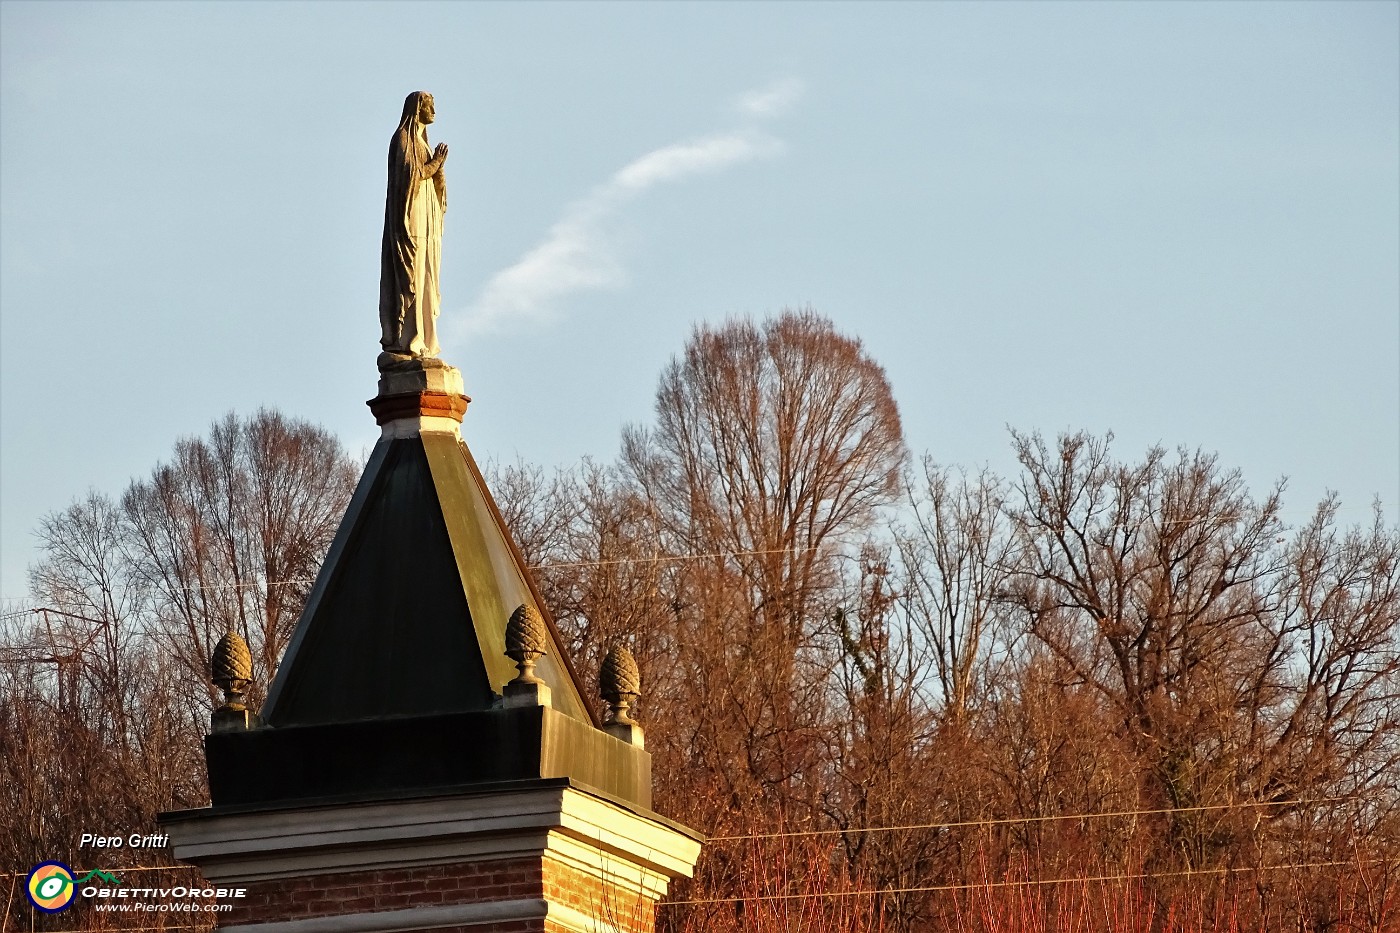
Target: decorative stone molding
(414,918)
(507,847)
(418,395)
(418,405)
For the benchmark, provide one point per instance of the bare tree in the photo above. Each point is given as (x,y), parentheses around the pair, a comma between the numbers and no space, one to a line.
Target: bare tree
(1333,646)
(958,558)
(104,688)
(882,767)
(539,510)
(774,450)
(1238,667)
(91,733)
(229,535)
(775,444)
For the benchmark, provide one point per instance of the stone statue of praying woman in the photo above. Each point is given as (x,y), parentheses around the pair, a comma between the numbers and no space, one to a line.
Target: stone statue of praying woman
(412,250)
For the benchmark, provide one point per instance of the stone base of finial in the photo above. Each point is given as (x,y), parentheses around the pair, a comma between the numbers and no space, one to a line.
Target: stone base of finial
(417,395)
(523,693)
(232,719)
(629,732)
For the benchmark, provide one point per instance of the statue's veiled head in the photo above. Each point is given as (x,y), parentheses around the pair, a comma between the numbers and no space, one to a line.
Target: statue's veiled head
(418,106)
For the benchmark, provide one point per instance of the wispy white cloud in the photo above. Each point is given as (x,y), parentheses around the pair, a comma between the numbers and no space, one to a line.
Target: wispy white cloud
(773,100)
(577,253)
(689,158)
(574,256)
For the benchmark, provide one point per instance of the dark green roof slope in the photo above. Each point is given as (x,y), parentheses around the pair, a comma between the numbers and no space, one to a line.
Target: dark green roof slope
(408,614)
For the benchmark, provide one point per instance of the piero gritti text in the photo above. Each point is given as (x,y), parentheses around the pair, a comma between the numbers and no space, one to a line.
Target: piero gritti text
(133,841)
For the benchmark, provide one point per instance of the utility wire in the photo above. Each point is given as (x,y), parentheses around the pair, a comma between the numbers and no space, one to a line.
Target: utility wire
(671,557)
(549,566)
(124,871)
(872,829)
(1031,819)
(1030,882)
(1138,876)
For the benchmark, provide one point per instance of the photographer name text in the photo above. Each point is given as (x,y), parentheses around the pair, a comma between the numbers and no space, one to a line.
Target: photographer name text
(134,841)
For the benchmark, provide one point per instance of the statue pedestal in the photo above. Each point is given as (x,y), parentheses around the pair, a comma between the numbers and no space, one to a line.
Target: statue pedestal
(418,395)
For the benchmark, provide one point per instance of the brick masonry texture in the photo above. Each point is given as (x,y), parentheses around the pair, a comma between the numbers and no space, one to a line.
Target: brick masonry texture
(387,889)
(326,895)
(626,911)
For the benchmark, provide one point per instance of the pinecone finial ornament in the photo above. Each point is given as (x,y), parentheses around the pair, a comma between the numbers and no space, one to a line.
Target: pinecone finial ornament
(620,684)
(527,640)
(231,668)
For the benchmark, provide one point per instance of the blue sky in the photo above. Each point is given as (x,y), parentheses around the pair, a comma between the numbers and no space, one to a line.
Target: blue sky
(1177,221)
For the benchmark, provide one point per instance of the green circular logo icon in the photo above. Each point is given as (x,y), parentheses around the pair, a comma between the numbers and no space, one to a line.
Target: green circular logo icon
(50,887)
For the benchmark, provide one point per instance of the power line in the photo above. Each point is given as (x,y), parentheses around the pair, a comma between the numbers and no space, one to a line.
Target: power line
(37,610)
(1030,882)
(671,557)
(913,826)
(941,887)
(125,871)
(1031,819)
(178,589)
(307,580)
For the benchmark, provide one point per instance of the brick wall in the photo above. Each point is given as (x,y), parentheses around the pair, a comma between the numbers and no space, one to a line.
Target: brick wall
(326,895)
(386,889)
(626,911)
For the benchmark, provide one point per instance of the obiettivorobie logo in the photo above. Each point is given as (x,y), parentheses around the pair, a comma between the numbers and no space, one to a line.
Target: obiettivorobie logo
(51,885)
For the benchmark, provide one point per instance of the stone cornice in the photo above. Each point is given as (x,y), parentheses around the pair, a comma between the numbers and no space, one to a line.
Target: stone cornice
(422,918)
(559,821)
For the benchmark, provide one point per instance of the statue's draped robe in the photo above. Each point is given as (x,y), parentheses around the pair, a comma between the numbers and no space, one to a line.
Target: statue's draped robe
(412,250)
